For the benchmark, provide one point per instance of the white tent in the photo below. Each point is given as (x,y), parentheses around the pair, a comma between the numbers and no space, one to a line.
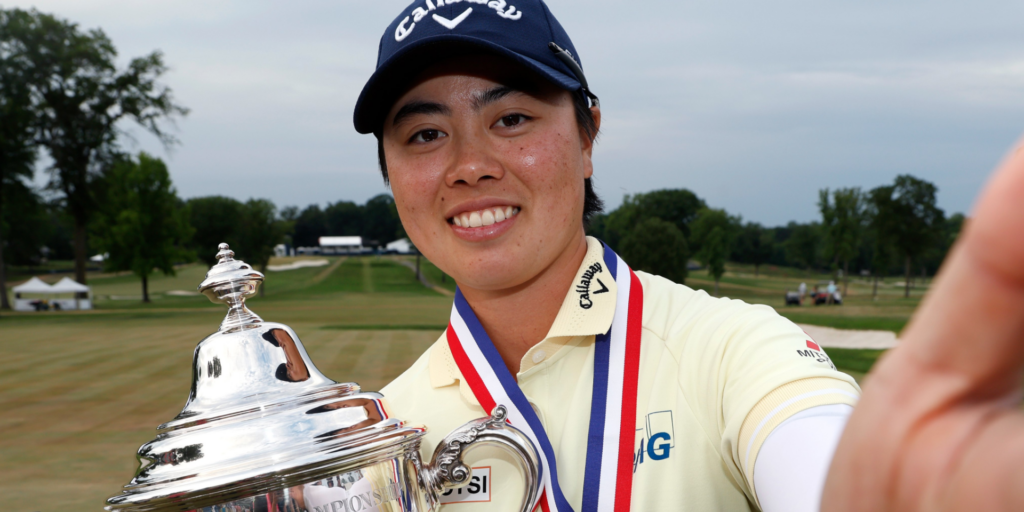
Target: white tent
(66,285)
(34,285)
(401,246)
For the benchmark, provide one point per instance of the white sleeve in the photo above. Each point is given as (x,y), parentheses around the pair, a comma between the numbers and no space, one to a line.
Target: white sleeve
(790,470)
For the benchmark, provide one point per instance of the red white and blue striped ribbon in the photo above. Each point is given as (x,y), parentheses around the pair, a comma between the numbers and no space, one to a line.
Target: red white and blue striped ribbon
(608,477)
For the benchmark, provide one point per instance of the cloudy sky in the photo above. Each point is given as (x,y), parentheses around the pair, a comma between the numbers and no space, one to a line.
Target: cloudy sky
(753,105)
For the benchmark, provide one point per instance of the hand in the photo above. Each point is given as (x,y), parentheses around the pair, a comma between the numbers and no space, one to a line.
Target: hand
(940,425)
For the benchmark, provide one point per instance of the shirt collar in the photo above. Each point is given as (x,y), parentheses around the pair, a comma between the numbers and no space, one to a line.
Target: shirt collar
(589,307)
(587,310)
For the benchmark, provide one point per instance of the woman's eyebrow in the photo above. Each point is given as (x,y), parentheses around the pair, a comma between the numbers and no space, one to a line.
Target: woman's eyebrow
(491,95)
(420,107)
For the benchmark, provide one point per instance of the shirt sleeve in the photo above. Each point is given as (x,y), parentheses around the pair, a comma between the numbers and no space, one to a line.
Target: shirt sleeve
(743,370)
(790,469)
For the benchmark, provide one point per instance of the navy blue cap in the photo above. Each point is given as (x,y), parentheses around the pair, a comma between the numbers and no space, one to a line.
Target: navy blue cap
(430,30)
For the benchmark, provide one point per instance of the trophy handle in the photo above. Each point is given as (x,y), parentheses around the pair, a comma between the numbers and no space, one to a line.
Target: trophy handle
(447,471)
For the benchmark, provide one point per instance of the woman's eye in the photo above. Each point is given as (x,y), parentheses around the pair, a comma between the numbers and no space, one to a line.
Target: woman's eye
(427,136)
(511,120)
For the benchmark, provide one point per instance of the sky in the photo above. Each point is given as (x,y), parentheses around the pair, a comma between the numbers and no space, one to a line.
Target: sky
(753,105)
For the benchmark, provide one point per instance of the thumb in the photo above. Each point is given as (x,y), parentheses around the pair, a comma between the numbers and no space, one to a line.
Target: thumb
(972,321)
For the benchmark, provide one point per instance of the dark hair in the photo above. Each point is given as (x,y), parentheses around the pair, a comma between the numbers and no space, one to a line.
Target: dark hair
(282,373)
(592,204)
(269,336)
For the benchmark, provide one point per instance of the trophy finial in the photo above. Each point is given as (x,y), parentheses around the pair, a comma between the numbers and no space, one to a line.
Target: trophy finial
(225,254)
(230,282)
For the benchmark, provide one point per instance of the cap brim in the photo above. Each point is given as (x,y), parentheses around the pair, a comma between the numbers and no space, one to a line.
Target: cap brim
(390,79)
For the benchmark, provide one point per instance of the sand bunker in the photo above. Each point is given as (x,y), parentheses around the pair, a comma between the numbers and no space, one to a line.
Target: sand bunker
(848,338)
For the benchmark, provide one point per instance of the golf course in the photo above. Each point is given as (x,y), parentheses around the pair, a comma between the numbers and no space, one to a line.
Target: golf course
(80,391)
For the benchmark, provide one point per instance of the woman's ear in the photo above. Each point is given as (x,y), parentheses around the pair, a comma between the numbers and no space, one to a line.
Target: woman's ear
(587,142)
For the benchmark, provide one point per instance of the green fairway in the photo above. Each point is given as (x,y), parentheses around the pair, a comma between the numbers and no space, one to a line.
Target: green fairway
(854,360)
(81,391)
(889,311)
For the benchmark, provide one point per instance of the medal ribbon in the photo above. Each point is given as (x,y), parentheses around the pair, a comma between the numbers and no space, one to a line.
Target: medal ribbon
(608,476)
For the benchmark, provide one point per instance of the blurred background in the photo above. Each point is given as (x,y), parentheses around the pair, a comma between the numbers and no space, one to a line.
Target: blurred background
(820,158)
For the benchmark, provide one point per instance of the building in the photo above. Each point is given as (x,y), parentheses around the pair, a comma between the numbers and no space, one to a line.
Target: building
(341,244)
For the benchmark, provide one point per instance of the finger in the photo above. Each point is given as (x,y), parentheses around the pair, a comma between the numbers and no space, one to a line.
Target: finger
(971,323)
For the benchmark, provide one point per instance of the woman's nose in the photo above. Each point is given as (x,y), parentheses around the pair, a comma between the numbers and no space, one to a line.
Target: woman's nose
(474,161)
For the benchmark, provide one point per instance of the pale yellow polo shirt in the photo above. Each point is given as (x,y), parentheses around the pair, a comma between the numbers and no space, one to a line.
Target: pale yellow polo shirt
(716,376)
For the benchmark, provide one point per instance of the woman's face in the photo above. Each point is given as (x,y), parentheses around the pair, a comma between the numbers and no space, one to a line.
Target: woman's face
(487,163)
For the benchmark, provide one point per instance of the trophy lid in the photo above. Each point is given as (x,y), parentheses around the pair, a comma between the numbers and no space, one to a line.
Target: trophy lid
(260,417)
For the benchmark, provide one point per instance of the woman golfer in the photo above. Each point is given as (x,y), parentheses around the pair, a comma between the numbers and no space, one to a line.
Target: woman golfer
(643,394)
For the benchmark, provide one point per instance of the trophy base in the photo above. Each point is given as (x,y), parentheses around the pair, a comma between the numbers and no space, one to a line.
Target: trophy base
(388,486)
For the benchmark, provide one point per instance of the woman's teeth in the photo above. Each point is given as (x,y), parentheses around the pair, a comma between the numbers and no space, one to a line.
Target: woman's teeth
(485,217)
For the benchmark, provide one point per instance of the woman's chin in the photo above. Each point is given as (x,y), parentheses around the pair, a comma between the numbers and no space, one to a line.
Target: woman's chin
(492,276)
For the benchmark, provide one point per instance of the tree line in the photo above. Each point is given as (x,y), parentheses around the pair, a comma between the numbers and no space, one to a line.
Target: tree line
(141,225)
(890,229)
(63,94)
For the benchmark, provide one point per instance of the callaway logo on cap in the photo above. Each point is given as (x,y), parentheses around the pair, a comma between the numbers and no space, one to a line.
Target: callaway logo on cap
(429,30)
(405,27)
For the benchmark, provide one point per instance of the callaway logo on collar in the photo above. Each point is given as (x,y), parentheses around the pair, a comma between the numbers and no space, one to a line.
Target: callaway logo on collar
(583,287)
(405,28)
(430,30)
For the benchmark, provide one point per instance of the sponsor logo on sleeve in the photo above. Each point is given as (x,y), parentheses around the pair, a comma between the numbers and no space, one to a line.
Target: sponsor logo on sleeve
(478,489)
(583,288)
(815,352)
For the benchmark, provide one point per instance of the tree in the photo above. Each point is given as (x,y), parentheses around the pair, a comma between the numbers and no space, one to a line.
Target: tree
(710,218)
(17,147)
(911,221)
(25,224)
(259,231)
(678,206)
(713,252)
(345,218)
(802,248)
(657,247)
(215,219)
(754,245)
(56,237)
(140,222)
(954,225)
(714,232)
(842,223)
(950,232)
(80,97)
(376,221)
(22,229)
(310,225)
(878,237)
(381,223)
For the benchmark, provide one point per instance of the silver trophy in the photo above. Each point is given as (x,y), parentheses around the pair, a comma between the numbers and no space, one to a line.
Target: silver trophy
(264,431)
